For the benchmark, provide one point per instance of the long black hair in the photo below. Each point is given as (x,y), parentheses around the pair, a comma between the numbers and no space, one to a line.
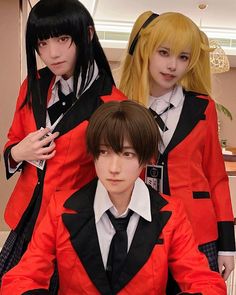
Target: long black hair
(53,18)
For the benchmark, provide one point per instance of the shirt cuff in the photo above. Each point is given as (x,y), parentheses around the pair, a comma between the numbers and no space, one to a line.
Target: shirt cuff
(226,253)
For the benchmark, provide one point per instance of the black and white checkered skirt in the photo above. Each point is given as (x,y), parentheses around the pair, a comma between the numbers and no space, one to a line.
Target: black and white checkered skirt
(211,252)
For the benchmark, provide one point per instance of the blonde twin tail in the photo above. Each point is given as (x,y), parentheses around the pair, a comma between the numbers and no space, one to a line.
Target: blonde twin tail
(134,80)
(178,31)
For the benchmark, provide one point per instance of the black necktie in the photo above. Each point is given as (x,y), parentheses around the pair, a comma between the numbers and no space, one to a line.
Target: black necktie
(118,248)
(61,106)
(158,118)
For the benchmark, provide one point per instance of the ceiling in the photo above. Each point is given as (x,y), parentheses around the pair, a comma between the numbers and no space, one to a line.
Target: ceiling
(218,20)
(114,19)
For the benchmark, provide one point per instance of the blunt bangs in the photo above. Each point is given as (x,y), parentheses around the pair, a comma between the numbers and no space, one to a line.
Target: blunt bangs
(49,20)
(174,30)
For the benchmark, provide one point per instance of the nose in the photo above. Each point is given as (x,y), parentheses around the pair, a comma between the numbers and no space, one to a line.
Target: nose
(53,50)
(115,164)
(172,63)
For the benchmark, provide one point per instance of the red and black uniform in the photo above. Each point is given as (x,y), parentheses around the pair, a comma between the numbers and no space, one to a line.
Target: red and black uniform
(70,168)
(194,171)
(68,234)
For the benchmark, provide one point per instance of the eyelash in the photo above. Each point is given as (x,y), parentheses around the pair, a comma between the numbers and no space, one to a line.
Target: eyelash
(164,53)
(61,39)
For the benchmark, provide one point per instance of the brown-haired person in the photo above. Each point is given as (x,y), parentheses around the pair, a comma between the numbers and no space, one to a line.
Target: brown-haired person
(81,233)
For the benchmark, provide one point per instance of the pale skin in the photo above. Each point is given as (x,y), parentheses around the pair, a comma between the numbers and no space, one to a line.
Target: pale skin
(33,147)
(59,55)
(118,172)
(165,70)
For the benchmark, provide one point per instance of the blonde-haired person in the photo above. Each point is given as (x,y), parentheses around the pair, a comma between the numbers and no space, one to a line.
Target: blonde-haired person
(167,68)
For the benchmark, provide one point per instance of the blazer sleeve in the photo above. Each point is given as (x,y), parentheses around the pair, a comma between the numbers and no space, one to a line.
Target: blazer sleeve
(16,132)
(187,264)
(32,274)
(213,165)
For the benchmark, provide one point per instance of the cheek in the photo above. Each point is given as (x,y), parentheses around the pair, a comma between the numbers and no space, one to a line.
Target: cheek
(134,170)
(100,167)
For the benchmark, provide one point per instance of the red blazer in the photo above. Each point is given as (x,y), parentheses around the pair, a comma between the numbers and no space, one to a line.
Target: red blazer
(68,234)
(71,167)
(194,171)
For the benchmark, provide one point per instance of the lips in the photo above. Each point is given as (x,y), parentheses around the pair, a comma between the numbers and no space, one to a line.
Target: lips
(114,180)
(57,63)
(168,76)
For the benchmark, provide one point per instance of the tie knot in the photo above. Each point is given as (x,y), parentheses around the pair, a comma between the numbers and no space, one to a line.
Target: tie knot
(121,223)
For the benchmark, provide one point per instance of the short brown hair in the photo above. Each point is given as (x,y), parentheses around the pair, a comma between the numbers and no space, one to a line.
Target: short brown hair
(115,121)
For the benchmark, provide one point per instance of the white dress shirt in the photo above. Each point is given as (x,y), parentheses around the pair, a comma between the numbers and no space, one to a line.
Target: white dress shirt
(171,117)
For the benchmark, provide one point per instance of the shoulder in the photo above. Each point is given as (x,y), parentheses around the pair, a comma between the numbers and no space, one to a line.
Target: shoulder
(58,200)
(115,94)
(165,202)
(199,96)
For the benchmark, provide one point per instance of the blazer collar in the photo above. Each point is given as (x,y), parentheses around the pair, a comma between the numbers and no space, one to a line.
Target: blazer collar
(89,101)
(39,104)
(193,111)
(84,239)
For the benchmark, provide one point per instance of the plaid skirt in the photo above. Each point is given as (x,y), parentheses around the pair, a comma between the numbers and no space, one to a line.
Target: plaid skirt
(211,252)
(12,251)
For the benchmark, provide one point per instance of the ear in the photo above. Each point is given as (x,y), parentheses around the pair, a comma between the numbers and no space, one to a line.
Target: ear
(91,32)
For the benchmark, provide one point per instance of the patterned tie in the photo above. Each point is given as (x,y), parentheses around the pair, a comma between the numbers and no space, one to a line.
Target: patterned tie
(158,118)
(61,106)
(118,248)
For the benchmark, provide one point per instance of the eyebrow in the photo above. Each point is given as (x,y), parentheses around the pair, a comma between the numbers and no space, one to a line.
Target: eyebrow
(124,147)
(167,48)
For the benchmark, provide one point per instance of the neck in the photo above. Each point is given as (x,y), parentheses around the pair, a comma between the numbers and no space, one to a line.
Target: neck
(158,91)
(120,203)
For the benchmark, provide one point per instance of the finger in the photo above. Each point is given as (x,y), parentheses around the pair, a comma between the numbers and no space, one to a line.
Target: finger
(49,155)
(226,273)
(48,139)
(48,149)
(55,134)
(39,134)
(220,265)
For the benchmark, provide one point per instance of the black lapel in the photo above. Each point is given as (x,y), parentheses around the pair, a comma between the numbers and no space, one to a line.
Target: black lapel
(83,235)
(192,112)
(145,238)
(84,239)
(39,104)
(88,102)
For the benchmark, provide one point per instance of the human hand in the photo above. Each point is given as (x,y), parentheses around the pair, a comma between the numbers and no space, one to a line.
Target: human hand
(226,265)
(38,145)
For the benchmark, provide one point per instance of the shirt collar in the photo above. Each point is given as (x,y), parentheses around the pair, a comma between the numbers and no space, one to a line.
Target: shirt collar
(176,98)
(70,81)
(139,203)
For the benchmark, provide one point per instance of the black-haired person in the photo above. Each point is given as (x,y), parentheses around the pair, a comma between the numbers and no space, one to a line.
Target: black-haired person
(80,228)
(59,98)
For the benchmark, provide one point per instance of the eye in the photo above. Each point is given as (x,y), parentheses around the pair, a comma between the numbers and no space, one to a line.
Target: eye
(64,39)
(184,57)
(163,52)
(129,154)
(103,152)
(42,43)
